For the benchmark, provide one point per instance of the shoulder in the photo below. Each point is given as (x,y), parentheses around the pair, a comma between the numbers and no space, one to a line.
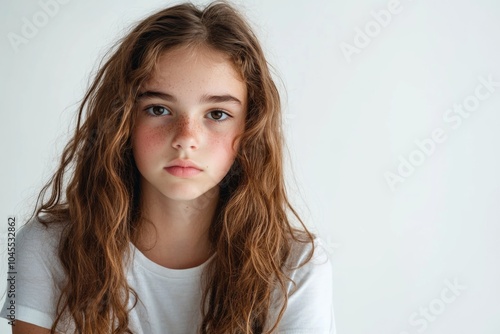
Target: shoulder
(309,262)
(301,250)
(34,237)
(310,291)
(35,231)
(38,273)
(37,248)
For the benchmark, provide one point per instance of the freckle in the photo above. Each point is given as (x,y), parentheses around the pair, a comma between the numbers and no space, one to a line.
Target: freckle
(152,138)
(182,124)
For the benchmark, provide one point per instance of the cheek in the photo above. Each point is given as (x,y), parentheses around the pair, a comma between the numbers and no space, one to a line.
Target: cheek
(146,142)
(222,149)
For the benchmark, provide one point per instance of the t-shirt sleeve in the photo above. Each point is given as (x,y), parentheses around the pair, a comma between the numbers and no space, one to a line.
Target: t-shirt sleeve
(310,301)
(33,282)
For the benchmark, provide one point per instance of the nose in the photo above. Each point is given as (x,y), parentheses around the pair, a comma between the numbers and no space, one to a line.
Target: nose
(186,134)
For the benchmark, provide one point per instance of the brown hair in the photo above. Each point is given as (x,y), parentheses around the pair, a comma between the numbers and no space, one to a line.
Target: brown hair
(99,207)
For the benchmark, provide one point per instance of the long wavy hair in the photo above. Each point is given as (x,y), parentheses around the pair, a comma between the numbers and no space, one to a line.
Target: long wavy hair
(95,192)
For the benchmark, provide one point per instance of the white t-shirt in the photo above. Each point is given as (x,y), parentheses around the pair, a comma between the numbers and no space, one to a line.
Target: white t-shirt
(169,299)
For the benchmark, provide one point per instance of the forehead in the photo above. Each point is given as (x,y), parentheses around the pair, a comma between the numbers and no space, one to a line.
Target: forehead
(193,67)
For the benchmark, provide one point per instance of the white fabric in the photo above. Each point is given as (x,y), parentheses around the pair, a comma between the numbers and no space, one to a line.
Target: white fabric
(168,299)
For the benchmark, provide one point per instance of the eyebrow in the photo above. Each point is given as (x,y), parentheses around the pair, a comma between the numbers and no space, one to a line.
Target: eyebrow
(220,98)
(204,99)
(160,95)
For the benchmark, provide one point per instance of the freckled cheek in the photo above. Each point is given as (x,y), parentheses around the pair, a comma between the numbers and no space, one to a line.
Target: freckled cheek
(147,141)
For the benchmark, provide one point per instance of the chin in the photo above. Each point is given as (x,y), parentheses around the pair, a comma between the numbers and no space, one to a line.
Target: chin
(181,195)
(185,194)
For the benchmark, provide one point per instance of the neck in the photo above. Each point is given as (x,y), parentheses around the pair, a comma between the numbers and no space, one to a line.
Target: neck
(174,234)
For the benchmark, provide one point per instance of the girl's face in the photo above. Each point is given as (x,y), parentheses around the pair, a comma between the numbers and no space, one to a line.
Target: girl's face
(192,108)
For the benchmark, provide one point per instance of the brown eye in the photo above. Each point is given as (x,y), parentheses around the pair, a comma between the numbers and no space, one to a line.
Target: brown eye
(218,115)
(157,111)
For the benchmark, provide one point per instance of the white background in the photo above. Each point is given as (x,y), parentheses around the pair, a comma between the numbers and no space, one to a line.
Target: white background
(349,121)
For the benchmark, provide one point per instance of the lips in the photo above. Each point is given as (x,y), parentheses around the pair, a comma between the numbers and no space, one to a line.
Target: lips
(183,168)
(184,163)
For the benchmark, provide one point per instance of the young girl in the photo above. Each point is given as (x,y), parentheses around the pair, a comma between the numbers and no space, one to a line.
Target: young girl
(168,213)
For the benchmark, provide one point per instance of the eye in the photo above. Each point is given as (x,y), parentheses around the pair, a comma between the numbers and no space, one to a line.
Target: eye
(156,111)
(218,114)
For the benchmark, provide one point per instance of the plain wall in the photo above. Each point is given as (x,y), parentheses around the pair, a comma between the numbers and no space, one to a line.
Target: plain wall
(373,93)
